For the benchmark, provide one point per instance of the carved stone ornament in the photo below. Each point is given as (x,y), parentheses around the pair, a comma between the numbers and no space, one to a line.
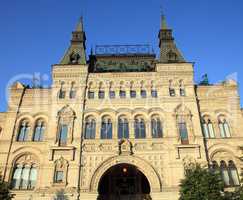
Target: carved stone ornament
(125,147)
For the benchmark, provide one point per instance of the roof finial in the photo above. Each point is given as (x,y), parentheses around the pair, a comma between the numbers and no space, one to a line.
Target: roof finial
(80,27)
(163,22)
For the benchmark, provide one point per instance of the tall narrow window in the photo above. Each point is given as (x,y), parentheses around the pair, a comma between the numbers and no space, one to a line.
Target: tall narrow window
(90,128)
(106,128)
(17,177)
(225,173)
(208,129)
(183,132)
(143,93)
(140,129)
(62,93)
(171,89)
(182,88)
(39,131)
(123,128)
(33,177)
(156,128)
(72,93)
(63,134)
(233,174)
(23,131)
(224,128)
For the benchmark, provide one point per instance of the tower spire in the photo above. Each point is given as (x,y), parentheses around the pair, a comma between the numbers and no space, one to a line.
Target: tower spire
(169,53)
(163,22)
(76,51)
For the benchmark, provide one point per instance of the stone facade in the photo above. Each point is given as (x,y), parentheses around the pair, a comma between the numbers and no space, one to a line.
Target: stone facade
(82,162)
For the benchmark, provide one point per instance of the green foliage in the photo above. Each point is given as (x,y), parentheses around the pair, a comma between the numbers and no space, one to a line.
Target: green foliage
(4,190)
(200,184)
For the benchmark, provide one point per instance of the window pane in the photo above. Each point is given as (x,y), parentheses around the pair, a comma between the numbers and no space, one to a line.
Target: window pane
(221,128)
(112,94)
(182,92)
(226,129)
(225,176)
(25,178)
(33,177)
(17,177)
(72,94)
(140,131)
(123,129)
(205,130)
(101,94)
(143,93)
(91,95)
(133,94)
(122,94)
(63,135)
(37,133)
(234,176)
(154,93)
(21,133)
(183,133)
(172,92)
(211,130)
(62,94)
(59,175)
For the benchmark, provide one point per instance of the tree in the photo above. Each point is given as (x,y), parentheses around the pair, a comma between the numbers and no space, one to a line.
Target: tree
(4,190)
(200,183)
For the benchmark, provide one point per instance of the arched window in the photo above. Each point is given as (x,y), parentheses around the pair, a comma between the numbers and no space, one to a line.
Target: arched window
(60,173)
(182,88)
(214,167)
(224,173)
(90,128)
(171,89)
(106,128)
(156,128)
(24,174)
(123,128)
(140,128)
(39,131)
(91,94)
(224,128)
(101,93)
(234,177)
(72,93)
(208,129)
(62,93)
(63,135)
(23,131)
(182,126)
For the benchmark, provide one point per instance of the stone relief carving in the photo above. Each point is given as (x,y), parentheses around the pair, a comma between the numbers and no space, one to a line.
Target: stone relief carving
(125,147)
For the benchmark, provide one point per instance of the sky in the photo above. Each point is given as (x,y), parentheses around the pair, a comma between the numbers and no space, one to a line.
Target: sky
(34,34)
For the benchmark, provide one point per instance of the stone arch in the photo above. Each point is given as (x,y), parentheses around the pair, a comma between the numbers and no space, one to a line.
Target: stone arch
(142,165)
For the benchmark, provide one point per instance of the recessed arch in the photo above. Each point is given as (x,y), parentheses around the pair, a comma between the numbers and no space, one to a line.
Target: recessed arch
(142,165)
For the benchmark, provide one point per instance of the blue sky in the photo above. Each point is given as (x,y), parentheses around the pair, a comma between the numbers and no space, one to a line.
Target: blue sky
(35,34)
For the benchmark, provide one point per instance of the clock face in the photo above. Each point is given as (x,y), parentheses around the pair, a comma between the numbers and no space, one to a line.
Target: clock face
(74,57)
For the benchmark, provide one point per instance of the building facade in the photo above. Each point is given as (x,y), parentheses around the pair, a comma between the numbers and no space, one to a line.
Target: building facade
(119,125)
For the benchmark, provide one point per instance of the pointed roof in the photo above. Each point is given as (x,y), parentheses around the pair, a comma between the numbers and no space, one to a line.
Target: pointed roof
(169,53)
(76,52)
(80,27)
(163,22)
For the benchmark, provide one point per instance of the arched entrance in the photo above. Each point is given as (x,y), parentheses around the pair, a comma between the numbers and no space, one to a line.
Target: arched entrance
(124,182)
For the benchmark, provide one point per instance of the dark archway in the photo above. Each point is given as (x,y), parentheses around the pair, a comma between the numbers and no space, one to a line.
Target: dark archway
(124,182)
